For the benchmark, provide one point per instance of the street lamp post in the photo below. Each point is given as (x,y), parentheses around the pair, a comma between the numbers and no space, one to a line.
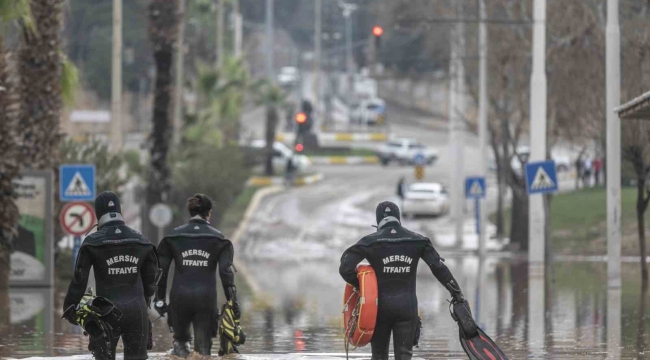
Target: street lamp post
(482,116)
(269,41)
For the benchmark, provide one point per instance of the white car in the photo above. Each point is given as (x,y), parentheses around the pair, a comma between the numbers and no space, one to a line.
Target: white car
(405,151)
(425,199)
(288,76)
(281,155)
(369,112)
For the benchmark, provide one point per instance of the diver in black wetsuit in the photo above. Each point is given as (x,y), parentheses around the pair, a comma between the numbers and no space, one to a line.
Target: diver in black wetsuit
(197,249)
(125,266)
(394,253)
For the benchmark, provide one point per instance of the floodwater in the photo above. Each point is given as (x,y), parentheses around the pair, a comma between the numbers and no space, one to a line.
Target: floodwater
(296,313)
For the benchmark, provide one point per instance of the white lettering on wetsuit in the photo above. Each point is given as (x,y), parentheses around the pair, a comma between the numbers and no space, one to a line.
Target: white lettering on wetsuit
(195,262)
(122,258)
(394,258)
(124,270)
(195,252)
(192,252)
(397,269)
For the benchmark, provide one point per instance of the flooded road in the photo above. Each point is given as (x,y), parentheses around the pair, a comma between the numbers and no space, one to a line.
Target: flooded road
(292,308)
(304,324)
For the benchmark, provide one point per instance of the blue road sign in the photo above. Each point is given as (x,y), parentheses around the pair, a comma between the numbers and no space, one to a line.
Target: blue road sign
(77,182)
(541,177)
(475,187)
(419,159)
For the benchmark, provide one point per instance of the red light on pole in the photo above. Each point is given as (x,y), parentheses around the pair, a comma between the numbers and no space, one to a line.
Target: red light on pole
(300,147)
(301,118)
(377,31)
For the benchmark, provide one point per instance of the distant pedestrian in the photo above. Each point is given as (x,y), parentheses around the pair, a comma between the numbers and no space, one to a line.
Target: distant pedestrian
(578,165)
(288,174)
(401,190)
(586,179)
(598,166)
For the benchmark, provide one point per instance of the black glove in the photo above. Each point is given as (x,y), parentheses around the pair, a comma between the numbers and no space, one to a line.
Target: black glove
(455,291)
(232,295)
(69,315)
(161,307)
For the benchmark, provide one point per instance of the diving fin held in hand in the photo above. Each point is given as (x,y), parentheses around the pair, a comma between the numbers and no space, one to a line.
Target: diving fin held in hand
(474,341)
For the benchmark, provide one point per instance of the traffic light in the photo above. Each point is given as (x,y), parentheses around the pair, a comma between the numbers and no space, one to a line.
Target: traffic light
(301,118)
(377,32)
(299,147)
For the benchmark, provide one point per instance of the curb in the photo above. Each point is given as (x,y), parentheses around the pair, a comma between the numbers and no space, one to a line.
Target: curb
(343,160)
(279,181)
(243,224)
(339,137)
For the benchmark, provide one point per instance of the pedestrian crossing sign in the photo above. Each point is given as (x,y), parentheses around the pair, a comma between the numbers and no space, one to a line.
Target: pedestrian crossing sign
(77,182)
(475,187)
(541,177)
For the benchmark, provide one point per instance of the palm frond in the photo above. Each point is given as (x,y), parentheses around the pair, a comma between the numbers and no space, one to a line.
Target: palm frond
(69,79)
(18,10)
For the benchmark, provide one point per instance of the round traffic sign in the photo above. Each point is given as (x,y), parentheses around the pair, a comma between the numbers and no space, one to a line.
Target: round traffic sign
(77,218)
(419,159)
(160,215)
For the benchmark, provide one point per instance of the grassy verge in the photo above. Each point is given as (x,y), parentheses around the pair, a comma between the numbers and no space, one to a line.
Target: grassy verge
(579,221)
(235,213)
(340,152)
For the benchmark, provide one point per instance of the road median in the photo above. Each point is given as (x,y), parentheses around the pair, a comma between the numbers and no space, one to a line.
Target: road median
(278,180)
(343,160)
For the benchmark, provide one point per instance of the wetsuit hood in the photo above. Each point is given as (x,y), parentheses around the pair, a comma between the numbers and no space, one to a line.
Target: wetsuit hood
(389,221)
(112,217)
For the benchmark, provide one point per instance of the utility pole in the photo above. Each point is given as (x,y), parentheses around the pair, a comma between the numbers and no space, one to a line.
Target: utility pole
(116,79)
(613,86)
(482,116)
(317,52)
(457,126)
(348,9)
(220,26)
(178,94)
(238,31)
(536,215)
(269,41)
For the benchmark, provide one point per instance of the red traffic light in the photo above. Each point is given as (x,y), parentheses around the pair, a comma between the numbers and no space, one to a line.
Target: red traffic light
(377,31)
(301,118)
(300,147)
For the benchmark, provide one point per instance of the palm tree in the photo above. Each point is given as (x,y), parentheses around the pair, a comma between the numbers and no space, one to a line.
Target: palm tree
(163,30)
(40,70)
(10,164)
(272,97)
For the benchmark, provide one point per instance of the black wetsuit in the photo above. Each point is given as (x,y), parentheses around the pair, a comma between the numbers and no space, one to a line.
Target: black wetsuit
(125,266)
(394,253)
(197,249)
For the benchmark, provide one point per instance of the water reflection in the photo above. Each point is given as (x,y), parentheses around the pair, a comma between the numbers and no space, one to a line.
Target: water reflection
(530,317)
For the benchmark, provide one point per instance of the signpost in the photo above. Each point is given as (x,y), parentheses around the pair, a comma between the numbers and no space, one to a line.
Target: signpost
(160,215)
(475,189)
(77,219)
(419,160)
(77,182)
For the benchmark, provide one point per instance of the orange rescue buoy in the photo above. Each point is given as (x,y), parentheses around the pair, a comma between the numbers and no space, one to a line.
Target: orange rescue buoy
(360,308)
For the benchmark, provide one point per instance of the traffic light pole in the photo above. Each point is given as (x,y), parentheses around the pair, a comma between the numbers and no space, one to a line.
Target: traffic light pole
(482,119)
(269,41)
(317,53)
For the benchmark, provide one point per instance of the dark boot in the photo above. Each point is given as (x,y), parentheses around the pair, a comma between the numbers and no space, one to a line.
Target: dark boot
(181,349)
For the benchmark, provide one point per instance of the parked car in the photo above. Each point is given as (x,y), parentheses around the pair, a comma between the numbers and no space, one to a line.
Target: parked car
(404,151)
(369,112)
(281,155)
(425,199)
(288,76)
(562,163)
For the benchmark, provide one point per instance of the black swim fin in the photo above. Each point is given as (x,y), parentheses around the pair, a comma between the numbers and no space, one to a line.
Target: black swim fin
(480,347)
(477,345)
